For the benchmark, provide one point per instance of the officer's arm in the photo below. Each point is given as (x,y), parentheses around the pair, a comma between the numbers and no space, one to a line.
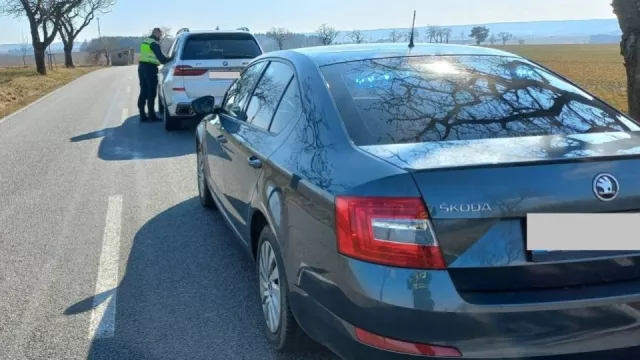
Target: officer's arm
(155,47)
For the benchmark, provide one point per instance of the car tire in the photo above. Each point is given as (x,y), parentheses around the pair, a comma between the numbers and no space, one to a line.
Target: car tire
(206,199)
(286,335)
(170,123)
(160,101)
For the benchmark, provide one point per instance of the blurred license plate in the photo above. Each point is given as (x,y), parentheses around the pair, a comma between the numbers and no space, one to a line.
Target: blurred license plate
(583,232)
(223,75)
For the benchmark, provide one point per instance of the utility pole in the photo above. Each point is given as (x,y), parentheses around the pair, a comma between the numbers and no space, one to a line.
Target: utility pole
(99,34)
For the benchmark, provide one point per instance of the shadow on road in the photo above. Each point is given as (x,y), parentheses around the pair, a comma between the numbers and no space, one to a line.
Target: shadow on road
(188,292)
(134,140)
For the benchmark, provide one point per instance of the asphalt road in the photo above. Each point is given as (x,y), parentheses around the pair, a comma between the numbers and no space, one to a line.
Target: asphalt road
(105,251)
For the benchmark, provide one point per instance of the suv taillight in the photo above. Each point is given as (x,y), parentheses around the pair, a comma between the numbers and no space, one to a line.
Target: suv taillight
(388,231)
(186,70)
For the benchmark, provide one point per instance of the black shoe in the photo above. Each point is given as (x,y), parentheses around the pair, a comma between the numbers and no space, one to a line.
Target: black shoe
(154,118)
(143,116)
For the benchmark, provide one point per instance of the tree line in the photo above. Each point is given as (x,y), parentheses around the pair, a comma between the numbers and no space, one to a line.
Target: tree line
(280,38)
(49,19)
(327,35)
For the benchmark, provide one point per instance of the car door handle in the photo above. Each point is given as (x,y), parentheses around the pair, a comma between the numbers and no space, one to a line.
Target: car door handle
(221,139)
(254,162)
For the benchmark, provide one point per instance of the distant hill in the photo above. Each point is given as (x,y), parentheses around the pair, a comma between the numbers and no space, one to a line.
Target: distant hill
(56,47)
(536,32)
(604,39)
(564,31)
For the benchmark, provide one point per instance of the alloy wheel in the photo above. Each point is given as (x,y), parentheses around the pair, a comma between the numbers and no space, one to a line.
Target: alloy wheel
(269,287)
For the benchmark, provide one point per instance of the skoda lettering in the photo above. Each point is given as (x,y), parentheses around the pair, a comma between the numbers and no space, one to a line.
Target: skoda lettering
(465,207)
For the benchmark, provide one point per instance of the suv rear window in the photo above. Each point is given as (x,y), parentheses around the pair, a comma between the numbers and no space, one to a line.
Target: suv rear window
(442,98)
(220,46)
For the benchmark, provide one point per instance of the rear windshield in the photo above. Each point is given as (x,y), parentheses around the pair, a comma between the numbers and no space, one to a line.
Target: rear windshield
(441,98)
(220,46)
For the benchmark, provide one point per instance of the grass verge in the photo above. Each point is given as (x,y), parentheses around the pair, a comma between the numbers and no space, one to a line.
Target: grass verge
(20,86)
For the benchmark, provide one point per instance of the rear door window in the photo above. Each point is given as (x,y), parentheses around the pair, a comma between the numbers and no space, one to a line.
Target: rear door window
(290,108)
(268,93)
(238,94)
(443,98)
(220,46)
(175,46)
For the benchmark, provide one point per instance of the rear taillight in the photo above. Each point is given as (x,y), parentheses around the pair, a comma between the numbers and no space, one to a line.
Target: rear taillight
(186,70)
(384,343)
(388,231)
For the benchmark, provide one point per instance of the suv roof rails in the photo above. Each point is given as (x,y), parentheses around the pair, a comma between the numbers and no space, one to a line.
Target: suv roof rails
(182,30)
(243,29)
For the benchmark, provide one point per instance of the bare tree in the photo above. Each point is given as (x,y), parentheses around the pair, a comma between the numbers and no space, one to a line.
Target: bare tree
(327,34)
(357,36)
(521,41)
(628,13)
(493,39)
(44,22)
(396,35)
(433,33)
(108,45)
(279,35)
(24,49)
(446,34)
(505,36)
(167,35)
(76,20)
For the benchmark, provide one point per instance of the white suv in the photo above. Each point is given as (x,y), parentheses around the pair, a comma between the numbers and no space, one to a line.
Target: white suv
(204,63)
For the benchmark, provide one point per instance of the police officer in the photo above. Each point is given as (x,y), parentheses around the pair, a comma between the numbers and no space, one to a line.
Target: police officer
(150,57)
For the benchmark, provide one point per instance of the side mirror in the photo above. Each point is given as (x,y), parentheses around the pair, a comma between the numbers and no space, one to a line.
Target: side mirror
(204,105)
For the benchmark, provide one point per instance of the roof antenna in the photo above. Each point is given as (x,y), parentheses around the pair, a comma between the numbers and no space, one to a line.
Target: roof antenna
(413,26)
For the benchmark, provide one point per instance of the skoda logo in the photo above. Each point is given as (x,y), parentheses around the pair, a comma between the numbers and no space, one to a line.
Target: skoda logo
(605,187)
(225,63)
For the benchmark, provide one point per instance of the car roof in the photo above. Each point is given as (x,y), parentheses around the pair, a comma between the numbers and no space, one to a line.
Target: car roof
(332,54)
(216,32)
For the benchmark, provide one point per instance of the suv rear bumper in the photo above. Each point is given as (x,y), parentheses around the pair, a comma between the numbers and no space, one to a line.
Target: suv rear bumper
(390,302)
(180,105)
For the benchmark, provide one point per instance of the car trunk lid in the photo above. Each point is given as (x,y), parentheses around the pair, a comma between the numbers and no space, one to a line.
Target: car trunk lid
(479,193)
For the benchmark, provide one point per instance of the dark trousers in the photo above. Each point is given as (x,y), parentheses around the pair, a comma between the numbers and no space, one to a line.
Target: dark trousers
(148,76)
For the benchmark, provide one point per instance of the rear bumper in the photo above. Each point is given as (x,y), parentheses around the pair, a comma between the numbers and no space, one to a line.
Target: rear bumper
(179,104)
(392,303)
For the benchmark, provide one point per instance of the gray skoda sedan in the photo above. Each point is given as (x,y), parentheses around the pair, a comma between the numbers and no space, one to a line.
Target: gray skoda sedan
(384,192)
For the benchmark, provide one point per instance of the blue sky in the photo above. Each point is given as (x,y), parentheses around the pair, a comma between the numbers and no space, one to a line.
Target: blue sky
(135,17)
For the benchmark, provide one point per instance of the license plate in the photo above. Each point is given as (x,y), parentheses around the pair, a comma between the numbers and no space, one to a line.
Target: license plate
(223,75)
(583,232)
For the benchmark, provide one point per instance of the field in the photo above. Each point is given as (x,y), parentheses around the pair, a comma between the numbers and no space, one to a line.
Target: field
(598,68)
(20,86)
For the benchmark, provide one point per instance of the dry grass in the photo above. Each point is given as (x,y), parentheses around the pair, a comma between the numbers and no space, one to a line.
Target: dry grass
(597,68)
(21,86)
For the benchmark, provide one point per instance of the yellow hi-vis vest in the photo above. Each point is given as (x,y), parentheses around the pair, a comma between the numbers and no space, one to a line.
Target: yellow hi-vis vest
(146,54)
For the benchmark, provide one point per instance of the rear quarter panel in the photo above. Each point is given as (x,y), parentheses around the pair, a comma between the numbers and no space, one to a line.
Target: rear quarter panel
(315,163)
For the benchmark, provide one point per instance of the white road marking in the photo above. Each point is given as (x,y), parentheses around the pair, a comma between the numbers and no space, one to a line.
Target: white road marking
(103,315)
(125,115)
(128,89)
